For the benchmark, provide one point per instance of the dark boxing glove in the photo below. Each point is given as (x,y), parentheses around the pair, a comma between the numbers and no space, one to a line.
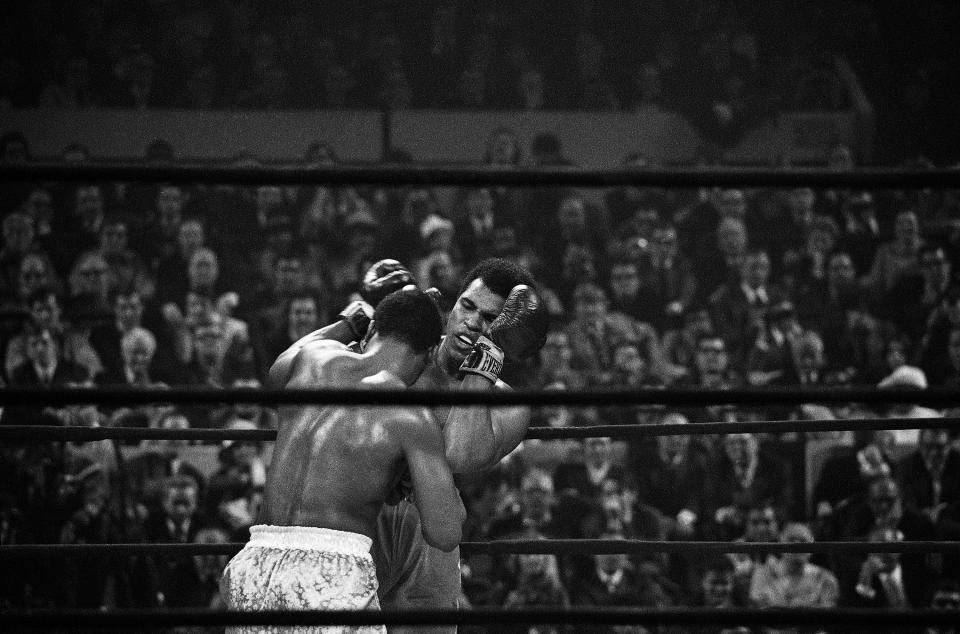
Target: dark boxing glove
(383,278)
(521,328)
(357,315)
(519,331)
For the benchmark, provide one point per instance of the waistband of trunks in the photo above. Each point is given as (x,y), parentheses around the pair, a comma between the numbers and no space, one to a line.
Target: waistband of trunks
(309,538)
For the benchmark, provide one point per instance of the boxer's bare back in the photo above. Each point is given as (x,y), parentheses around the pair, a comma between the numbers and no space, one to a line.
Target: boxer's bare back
(333,466)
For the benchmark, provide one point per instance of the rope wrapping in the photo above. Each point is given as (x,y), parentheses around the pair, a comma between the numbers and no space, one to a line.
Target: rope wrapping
(504,547)
(845,617)
(478,176)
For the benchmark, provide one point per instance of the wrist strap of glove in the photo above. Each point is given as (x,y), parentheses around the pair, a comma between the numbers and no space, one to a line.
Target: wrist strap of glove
(486,359)
(357,316)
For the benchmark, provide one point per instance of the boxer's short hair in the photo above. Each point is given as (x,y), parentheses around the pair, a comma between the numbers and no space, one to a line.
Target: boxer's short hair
(411,317)
(499,275)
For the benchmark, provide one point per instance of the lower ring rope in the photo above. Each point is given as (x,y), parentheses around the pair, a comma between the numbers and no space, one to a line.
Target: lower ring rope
(81,434)
(863,618)
(507,546)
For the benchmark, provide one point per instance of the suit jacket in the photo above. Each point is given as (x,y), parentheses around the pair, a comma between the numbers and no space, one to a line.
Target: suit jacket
(146,472)
(575,476)
(592,352)
(770,482)
(736,320)
(914,589)
(840,480)
(24,375)
(916,483)
(917,568)
(175,577)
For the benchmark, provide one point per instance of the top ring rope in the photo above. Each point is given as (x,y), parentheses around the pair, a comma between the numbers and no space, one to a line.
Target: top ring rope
(875,178)
(51,397)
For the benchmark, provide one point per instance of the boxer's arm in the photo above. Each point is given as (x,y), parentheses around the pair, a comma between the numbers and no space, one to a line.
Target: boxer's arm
(478,437)
(332,335)
(441,509)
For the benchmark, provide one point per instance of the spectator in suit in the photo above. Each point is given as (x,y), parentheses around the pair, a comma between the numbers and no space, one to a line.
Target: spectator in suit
(772,359)
(672,275)
(844,479)
(594,333)
(916,295)
(18,235)
(300,317)
(746,475)
(126,266)
(535,509)
(762,523)
(711,369)
(805,270)
(95,583)
(613,580)
(175,580)
(235,490)
(930,476)
(210,568)
(883,582)
(171,269)
(859,228)
(473,232)
(536,583)
(884,517)
(674,477)
(721,261)
(138,347)
(46,312)
(147,470)
(45,365)
(898,257)
(934,354)
(587,478)
(632,293)
(739,309)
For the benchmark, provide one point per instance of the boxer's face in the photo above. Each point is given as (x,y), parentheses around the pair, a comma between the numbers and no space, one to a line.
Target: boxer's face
(471,316)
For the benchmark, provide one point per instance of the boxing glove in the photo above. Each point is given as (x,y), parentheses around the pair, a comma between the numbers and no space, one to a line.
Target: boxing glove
(357,315)
(518,331)
(383,278)
(521,328)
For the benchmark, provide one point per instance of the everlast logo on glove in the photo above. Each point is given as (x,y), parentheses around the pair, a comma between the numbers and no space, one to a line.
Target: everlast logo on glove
(486,362)
(486,359)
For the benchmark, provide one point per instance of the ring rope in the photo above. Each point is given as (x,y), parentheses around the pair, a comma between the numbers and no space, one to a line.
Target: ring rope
(171,617)
(40,433)
(687,397)
(394,175)
(504,547)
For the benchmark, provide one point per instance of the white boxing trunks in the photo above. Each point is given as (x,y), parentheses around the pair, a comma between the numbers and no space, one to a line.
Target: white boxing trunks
(302,568)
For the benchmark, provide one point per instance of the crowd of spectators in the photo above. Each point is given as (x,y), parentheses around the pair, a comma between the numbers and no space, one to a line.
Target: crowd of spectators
(154,286)
(724,65)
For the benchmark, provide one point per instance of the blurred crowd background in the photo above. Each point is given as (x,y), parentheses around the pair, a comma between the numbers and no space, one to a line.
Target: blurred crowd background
(158,286)
(725,65)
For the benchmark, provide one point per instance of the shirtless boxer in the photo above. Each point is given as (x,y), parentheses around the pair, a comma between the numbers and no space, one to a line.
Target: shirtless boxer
(496,315)
(333,467)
